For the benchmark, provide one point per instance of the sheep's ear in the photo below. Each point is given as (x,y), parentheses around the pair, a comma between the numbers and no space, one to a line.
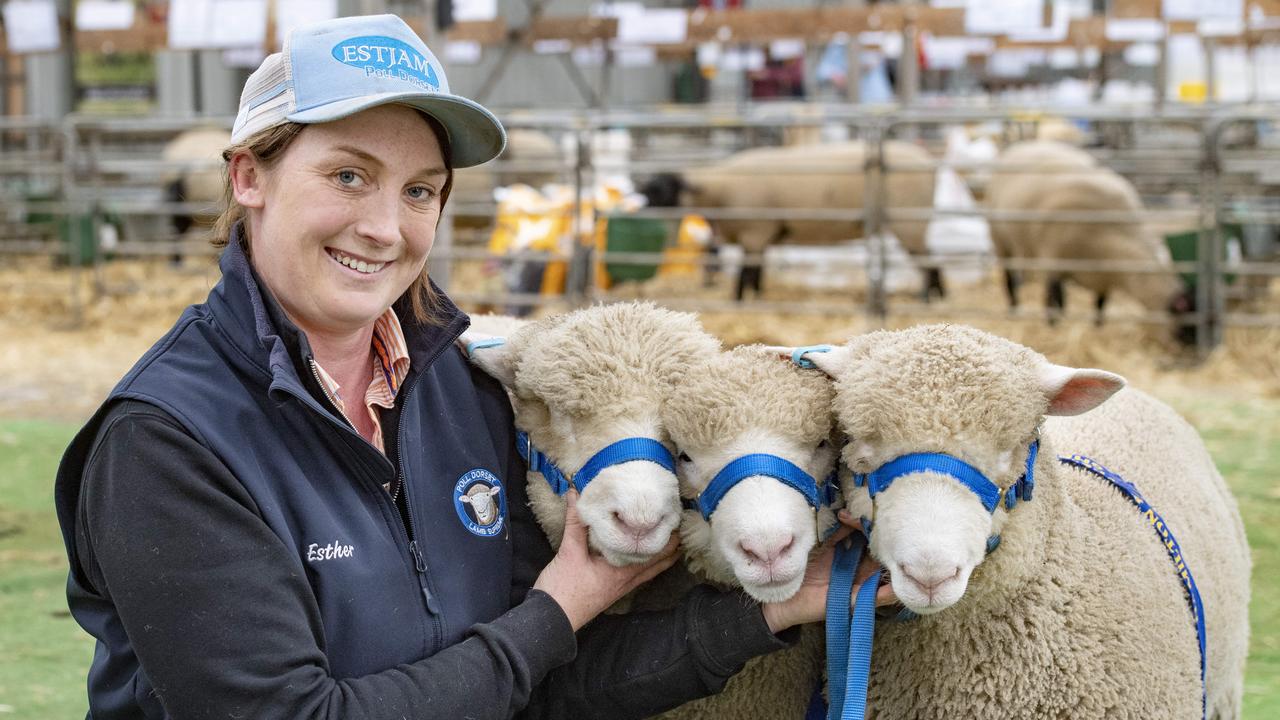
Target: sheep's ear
(492,354)
(832,362)
(1072,391)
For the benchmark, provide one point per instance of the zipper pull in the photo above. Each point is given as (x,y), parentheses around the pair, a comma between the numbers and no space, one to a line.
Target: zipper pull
(421,564)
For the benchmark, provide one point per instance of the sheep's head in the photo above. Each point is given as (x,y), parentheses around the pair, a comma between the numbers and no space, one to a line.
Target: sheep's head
(582,381)
(954,390)
(738,403)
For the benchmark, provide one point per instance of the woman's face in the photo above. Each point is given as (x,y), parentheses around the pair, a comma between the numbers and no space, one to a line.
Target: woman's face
(342,223)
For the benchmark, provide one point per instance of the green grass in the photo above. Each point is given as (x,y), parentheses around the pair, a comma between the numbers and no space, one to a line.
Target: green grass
(1244,439)
(44,654)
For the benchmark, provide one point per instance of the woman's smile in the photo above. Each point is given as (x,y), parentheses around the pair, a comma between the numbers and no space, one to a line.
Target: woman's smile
(357,264)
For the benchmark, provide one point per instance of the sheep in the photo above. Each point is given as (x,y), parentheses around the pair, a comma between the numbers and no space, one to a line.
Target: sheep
(748,401)
(199,179)
(828,176)
(1052,177)
(1079,611)
(580,382)
(481,499)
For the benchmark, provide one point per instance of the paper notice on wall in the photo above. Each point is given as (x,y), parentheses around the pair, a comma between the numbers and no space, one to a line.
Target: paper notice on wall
(1054,32)
(104,14)
(552,46)
(993,17)
(1204,10)
(238,23)
(189,23)
(1134,30)
(474,10)
(653,27)
(463,52)
(31,26)
(292,13)
(217,23)
(786,49)
(635,56)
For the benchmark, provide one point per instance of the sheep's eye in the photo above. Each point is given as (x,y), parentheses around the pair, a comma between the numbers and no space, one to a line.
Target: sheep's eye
(823,444)
(684,457)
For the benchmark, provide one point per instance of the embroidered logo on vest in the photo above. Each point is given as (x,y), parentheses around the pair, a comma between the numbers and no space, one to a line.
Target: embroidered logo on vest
(481,503)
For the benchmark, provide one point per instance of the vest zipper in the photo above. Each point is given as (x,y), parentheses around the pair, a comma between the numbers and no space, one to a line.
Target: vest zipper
(419,562)
(421,565)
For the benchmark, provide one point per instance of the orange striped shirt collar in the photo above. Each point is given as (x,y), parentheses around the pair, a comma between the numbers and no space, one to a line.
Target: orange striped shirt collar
(390,367)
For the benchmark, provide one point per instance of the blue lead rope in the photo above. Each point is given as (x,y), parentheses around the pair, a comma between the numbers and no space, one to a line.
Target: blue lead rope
(1170,543)
(849,635)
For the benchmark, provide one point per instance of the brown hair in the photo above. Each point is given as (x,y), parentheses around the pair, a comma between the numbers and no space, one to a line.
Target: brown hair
(268,146)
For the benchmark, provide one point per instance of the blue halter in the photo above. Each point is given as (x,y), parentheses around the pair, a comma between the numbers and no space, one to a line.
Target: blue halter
(622,451)
(989,494)
(779,469)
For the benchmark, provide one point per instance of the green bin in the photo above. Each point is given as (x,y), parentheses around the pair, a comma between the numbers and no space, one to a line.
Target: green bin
(634,235)
(1184,247)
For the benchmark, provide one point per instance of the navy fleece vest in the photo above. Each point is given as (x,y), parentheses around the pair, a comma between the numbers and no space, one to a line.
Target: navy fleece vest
(226,375)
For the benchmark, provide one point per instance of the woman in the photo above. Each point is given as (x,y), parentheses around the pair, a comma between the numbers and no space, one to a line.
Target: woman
(262,520)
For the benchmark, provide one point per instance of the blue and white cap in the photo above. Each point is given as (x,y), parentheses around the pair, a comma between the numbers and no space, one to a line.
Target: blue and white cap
(337,68)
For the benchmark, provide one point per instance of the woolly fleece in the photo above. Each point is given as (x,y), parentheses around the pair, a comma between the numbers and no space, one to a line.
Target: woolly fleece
(748,391)
(594,371)
(1079,613)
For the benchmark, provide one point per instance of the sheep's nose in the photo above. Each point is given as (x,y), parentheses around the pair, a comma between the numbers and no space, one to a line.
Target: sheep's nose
(929,579)
(766,551)
(637,528)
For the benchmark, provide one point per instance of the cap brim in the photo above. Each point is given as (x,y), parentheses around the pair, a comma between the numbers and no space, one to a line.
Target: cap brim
(475,135)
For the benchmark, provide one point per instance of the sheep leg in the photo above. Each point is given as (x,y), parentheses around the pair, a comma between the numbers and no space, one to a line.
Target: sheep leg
(749,277)
(933,284)
(1011,283)
(1098,305)
(1056,301)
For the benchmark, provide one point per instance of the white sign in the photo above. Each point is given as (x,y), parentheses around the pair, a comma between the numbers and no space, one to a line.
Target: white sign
(1204,9)
(463,52)
(31,26)
(994,17)
(104,14)
(217,23)
(474,10)
(635,56)
(786,49)
(552,46)
(292,13)
(1056,31)
(238,23)
(1064,58)
(1137,30)
(653,27)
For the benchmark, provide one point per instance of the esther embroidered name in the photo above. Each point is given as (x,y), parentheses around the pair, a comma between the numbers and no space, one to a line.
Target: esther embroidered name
(317,552)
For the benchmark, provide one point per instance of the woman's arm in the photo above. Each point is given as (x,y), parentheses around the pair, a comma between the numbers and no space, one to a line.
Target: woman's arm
(641,663)
(223,621)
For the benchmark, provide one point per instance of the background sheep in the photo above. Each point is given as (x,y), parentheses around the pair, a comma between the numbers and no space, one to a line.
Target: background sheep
(1052,177)
(809,177)
(733,404)
(1079,612)
(200,181)
(584,380)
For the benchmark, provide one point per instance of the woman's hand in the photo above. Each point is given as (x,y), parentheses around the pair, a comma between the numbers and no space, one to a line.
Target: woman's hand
(809,604)
(584,584)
